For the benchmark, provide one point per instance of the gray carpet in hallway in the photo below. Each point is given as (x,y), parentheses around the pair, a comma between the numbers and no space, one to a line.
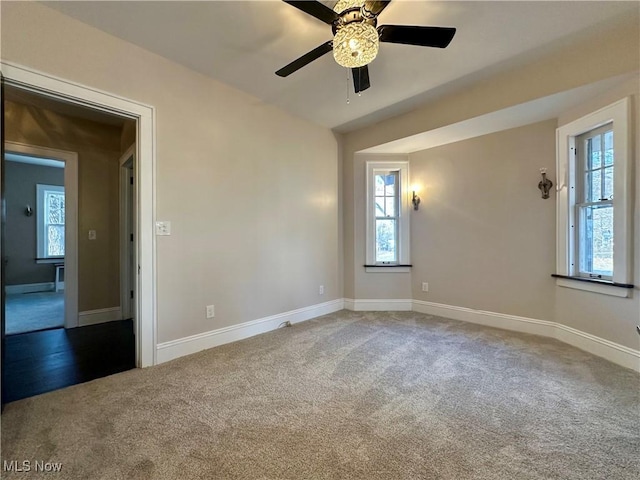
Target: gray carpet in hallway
(366,395)
(28,312)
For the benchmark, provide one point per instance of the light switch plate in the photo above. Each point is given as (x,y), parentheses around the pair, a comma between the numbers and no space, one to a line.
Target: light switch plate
(163,228)
(92,235)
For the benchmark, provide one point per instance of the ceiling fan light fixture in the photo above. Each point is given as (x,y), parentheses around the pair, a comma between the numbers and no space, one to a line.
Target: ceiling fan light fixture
(342,5)
(355,45)
(356,39)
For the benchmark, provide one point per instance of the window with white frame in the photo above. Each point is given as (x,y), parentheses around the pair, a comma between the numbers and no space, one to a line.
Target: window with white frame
(50,221)
(387,214)
(594,202)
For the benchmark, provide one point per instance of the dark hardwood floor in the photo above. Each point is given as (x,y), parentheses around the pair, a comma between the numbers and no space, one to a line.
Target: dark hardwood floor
(39,362)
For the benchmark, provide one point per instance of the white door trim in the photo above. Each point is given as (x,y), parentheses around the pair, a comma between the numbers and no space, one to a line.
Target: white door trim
(70,160)
(126,210)
(45,84)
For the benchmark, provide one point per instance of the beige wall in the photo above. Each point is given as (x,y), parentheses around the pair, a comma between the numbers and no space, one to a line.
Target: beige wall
(609,317)
(469,180)
(98,149)
(128,136)
(251,191)
(21,247)
(571,65)
(483,237)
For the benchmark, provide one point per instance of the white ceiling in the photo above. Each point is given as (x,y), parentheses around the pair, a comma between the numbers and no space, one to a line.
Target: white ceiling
(243,43)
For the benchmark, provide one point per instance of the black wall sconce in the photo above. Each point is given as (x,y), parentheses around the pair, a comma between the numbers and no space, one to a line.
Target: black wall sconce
(28,211)
(415,200)
(545,184)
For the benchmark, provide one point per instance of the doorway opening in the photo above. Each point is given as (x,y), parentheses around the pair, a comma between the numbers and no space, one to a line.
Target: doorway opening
(35,224)
(68,325)
(69,93)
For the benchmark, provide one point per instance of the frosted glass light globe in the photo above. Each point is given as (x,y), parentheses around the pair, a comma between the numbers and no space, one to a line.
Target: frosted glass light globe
(355,45)
(342,5)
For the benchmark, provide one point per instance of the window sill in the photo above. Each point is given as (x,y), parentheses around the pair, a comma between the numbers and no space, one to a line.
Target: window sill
(50,260)
(621,290)
(388,268)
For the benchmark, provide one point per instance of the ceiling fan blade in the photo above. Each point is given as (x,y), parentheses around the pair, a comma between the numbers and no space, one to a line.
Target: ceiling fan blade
(305,59)
(315,9)
(375,7)
(439,37)
(360,78)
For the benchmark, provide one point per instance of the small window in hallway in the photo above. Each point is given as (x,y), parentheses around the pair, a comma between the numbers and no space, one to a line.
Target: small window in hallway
(51,217)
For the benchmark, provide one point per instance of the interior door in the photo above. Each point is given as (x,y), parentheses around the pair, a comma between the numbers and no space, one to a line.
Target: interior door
(131,260)
(2,255)
(127,243)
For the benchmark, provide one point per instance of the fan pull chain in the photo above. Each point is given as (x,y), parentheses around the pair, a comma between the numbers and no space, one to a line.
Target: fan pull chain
(347,86)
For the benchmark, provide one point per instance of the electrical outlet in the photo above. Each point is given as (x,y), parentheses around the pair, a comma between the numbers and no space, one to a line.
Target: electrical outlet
(163,228)
(211,312)
(92,235)
(321,290)
(425,287)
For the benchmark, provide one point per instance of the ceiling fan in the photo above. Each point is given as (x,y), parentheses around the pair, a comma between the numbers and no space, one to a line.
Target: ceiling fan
(356,38)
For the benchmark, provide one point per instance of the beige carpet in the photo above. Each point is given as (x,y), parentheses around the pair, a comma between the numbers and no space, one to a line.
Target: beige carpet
(349,395)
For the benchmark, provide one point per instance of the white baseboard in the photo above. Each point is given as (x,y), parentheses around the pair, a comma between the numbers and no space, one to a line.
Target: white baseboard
(185,346)
(30,288)
(616,353)
(102,315)
(490,319)
(619,354)
(375,305)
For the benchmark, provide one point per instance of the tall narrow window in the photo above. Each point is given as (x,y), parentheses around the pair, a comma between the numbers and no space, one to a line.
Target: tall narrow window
(594,234)
(51,218)
(387,214)
(387,217)
(594,208)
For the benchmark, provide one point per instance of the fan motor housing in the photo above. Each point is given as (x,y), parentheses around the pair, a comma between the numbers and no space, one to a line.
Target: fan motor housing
(352,15)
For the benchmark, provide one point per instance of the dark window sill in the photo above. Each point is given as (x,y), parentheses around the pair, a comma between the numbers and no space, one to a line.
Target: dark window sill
(388,268)
(594,280)
(390,265)
(50,260)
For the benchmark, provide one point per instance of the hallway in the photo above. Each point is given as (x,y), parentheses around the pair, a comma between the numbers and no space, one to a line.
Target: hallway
(43,361)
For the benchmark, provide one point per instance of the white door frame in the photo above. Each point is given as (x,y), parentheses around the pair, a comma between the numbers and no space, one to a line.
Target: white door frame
(65,90)
(70,160)
(127,209)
